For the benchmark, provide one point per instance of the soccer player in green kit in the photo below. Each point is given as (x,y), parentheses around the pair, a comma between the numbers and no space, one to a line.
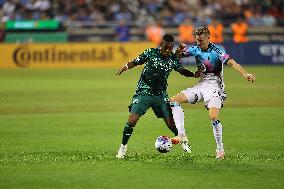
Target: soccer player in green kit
(151,89)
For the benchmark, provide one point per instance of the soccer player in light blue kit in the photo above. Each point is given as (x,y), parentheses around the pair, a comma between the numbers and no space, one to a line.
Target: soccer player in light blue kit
(210,89)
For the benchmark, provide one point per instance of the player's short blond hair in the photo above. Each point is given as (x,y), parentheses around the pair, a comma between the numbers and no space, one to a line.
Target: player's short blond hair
(202,30)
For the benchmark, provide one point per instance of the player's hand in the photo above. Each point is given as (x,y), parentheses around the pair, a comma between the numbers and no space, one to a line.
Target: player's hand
(180,49)
(197,74)
(122,69)
(250,77)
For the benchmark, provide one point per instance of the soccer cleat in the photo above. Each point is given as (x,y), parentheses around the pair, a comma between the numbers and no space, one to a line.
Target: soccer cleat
(185,145)
(121,151)
(183,141)
(220,154)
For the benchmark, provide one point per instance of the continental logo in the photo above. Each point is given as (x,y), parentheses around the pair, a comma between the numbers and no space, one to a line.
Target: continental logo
(23,56)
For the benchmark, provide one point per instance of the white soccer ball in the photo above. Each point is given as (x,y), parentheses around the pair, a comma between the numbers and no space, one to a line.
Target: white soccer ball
(163,144)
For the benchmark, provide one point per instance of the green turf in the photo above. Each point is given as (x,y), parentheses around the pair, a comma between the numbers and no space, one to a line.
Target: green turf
(61,128)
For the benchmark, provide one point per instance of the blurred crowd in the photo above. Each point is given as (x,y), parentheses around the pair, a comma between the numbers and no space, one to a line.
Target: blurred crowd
(256,12)
(186,15)
(167,12)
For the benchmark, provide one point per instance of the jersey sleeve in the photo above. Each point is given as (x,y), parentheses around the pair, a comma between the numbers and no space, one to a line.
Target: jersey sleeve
(189,51)
(223,56)
(142,58)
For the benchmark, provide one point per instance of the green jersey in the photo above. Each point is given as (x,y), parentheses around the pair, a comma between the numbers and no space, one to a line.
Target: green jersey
(154,78)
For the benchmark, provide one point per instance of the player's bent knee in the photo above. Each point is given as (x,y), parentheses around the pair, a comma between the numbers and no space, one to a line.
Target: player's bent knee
(179,98)
(132,120)
(193,98)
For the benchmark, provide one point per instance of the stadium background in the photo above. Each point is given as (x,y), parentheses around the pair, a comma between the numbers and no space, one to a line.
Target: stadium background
(62,109)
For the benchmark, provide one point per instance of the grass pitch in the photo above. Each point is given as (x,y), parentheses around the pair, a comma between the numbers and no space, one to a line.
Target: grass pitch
(61,128)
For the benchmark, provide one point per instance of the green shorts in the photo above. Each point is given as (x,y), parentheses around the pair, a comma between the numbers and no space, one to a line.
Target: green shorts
(160,105)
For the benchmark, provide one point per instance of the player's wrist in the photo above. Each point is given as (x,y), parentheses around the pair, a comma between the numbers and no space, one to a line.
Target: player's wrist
(245,74)
(197,74)
(126,66)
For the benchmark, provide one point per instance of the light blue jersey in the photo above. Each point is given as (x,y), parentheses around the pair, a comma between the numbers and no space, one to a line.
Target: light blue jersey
(210,61)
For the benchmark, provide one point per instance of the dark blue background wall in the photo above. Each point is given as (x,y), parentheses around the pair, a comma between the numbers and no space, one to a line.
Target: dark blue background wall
(269,53)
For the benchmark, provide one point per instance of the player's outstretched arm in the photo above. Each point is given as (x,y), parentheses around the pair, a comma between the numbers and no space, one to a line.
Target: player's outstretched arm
(241,70)
(127,66)
(188,73)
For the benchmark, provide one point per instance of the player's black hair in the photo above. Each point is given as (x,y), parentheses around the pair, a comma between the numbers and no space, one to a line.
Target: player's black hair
(169,38)
(202,30)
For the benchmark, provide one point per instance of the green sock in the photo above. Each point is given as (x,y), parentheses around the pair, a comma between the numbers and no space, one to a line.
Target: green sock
(126,133)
